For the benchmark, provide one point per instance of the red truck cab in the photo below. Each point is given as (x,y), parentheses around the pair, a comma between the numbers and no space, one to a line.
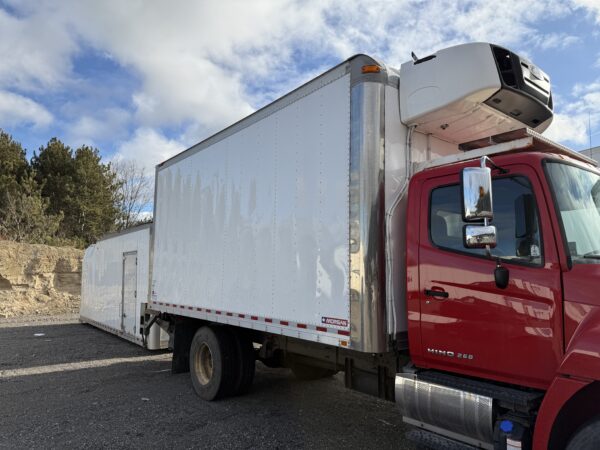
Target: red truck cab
(540,332)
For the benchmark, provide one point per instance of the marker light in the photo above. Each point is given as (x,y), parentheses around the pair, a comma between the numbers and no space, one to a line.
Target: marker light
(371,69)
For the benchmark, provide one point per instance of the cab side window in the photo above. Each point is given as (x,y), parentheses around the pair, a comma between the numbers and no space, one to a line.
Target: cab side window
(515,218)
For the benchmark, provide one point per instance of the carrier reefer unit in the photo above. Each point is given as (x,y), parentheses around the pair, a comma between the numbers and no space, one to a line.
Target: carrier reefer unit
(350,226)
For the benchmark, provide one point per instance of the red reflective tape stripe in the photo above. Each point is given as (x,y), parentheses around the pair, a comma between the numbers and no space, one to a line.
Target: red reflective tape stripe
(284,322)
(300,325)
(182,307)
(198,309)
(254,317)
(208,310)
(322,329)
(243,316)
(269,320)
(218,312)
(344,332)
(190,307)
(229,314)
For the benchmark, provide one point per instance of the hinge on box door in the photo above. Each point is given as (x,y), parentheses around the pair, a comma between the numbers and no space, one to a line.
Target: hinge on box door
(135,294)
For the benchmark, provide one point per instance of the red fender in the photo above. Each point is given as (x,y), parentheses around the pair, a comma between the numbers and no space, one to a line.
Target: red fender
(581,364)
(561,390)
(582,358)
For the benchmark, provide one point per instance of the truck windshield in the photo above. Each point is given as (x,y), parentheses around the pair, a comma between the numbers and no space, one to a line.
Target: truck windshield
(577,193)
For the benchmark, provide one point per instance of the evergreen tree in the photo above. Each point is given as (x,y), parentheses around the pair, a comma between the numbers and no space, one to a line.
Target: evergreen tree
(13,166)
(23,217)
(78,185)
(95,205)
(54,171)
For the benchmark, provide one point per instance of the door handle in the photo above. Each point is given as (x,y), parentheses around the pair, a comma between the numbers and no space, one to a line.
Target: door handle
(432,293)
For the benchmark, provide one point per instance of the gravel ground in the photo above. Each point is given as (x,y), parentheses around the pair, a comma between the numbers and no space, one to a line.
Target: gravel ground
(68,385)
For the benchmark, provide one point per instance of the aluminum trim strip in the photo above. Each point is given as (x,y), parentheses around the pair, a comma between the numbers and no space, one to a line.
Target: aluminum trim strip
(367,221)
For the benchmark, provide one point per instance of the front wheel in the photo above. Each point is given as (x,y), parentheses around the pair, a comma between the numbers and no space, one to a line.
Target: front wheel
(213,363)
(587,437)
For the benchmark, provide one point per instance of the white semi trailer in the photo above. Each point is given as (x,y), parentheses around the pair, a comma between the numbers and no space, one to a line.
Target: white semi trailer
(284,238)
(114,287)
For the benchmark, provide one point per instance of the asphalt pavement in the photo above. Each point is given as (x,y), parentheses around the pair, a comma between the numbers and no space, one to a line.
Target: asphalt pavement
(69,385)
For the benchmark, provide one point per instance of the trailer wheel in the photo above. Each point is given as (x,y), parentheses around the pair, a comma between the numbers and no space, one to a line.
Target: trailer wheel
(213,363)
(587,437)
(306,372)
(246,362)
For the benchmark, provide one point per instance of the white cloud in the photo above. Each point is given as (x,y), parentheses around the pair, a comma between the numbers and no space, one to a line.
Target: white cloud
(148,148)
(569,128)
(196,60)
(35,51)
(204,65)
(579,113)
(108,124)
(16,109)
(556,41)
(591,6)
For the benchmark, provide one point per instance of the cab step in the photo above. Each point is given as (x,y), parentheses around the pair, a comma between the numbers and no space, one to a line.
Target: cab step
(428,439)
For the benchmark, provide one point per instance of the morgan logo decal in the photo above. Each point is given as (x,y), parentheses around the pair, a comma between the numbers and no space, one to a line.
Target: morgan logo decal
(335,322)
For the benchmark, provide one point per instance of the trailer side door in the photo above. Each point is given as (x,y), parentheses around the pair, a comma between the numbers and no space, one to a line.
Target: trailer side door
(129,293)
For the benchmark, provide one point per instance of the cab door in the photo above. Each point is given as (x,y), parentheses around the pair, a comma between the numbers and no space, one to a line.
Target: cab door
(468,323)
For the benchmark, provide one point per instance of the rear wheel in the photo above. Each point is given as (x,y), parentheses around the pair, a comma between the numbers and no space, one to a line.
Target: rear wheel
(213,363)
(587,437)
(246,362)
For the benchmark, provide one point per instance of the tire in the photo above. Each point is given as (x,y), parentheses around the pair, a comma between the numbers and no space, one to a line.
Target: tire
(306,372)
(246,362)
(587,437)
(213,363)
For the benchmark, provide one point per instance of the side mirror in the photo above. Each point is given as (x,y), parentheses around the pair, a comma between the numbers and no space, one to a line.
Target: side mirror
(477,194)
(479,236)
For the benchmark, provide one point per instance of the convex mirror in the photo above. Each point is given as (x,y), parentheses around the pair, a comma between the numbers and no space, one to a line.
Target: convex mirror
(479,236)
(477,194)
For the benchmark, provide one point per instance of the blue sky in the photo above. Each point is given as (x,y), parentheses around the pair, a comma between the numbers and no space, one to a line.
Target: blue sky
(144,80)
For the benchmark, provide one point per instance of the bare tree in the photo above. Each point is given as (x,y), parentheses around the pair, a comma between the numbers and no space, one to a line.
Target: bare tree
(134,193)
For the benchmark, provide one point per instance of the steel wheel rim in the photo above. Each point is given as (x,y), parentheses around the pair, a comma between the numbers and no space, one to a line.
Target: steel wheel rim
(203,363)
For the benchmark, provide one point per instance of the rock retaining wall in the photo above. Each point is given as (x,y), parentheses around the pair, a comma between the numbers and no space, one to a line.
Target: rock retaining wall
(39,279)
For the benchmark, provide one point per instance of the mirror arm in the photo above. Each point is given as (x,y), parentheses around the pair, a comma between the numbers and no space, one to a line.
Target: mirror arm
(483,162)
(486,160)
(488,250)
